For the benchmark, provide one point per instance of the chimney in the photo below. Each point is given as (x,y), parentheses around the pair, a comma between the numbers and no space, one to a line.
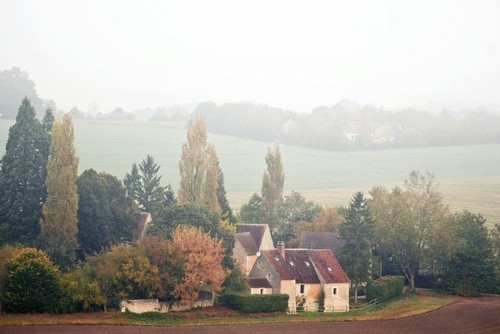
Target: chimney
(280,246)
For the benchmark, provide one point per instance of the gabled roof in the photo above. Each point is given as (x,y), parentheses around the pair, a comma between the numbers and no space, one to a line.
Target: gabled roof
(281,266)
(301,266)
(258,283)
(145,219)
(247,241)
(256,230)
(322,240)
(328,266)
(304,265)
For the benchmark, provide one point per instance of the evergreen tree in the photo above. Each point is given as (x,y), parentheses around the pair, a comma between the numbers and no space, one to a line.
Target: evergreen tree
(132,182)
(143,185)
(150,180)
(198,168)
(250,213)
(357,232)
(59,222)
(22,178)
(273,181)
(226,212)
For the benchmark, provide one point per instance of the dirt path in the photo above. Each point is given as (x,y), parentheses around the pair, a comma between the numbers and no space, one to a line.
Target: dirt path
(467,316)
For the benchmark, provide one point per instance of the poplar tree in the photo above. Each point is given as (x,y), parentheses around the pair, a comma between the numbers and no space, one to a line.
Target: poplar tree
(58,225)
(198,168)
(22,177)
(273,181)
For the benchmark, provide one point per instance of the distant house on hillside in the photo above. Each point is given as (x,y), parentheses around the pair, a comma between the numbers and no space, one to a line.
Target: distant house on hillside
(303,274)
(322,240)
(251,239)
(379,132)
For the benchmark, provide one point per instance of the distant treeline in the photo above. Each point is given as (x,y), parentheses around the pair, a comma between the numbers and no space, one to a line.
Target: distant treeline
(349,126)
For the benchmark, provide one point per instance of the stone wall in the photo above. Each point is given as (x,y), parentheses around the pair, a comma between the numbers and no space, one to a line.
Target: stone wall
(154,305)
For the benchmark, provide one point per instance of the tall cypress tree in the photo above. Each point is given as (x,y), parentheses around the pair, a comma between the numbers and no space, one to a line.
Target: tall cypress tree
(59,222)
(22,178)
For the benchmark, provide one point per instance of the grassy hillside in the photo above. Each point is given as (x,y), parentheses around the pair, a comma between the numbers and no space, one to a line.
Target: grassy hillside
(468,176)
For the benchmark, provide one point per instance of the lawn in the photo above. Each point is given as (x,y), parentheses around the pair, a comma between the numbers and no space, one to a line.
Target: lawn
(404,306)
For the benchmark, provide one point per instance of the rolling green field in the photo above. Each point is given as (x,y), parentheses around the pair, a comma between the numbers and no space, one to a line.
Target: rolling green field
(467,176)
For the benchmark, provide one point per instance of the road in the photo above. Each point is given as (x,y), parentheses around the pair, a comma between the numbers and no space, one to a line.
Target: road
(467,316)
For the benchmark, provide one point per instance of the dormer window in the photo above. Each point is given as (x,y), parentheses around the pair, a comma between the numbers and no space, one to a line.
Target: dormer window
(307,263)
(291,263)
(277,259)
(329,269)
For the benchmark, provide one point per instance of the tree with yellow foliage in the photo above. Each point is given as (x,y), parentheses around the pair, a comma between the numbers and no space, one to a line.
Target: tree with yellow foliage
(58,225)
(198,168)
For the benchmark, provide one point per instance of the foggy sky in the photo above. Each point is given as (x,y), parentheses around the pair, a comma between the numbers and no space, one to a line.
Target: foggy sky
(288,54)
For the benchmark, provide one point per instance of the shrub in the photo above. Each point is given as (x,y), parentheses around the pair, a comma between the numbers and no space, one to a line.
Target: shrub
(385,288)
(254,303)
(79,291)
(33,283)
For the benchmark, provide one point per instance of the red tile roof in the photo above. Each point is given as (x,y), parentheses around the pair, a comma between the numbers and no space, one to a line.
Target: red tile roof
(281,266)
(328,266)
(301,266)
(304,265)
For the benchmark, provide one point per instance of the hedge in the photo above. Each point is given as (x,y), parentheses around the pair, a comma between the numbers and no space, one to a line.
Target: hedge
(385,288)
(254,303)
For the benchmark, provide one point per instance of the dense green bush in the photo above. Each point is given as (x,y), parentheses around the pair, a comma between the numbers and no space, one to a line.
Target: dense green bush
(33,283)
(254,303)
(385,288)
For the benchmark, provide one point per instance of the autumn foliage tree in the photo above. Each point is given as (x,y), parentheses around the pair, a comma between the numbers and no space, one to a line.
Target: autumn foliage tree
(58,225)
(203,255)
(199,168)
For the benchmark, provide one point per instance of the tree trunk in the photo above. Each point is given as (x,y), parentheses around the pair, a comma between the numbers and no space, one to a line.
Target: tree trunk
(355,295)
(412,282)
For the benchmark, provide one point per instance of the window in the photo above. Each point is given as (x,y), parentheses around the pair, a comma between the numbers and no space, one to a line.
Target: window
(261,291)
(307,263)
(334,291)
(302,289)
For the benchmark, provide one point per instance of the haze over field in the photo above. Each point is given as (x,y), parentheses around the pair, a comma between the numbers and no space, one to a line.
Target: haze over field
(138,54)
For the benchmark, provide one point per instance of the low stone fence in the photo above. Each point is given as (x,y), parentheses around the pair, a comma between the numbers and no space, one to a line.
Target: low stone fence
(154,305)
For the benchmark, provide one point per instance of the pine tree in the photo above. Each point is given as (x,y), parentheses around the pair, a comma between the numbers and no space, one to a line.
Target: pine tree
(198,168)
(273,181)
(59,222)
(357,232)
(22,178)
(143,185)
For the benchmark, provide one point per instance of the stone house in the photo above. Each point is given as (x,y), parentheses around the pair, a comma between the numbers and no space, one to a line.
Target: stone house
(303,274)
(251,240)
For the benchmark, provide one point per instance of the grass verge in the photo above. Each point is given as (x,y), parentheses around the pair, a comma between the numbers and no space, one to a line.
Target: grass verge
(404,306)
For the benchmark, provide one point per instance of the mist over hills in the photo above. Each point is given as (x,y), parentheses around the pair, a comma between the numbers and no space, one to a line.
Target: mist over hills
(345,125)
